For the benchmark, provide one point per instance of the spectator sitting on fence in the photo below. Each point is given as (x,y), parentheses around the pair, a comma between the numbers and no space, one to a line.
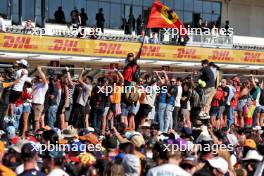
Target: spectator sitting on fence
(28,27)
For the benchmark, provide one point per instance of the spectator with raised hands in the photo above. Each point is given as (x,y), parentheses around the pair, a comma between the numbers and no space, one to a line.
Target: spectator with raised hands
(83,88)
(39,90)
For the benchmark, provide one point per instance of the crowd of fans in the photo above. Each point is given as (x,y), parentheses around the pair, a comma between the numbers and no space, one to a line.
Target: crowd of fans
(157,125)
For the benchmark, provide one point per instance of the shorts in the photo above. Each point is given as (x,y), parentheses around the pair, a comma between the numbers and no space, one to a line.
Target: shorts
(14,96)
(37,110)
(144,110)
(184,113)
(241,104)
(221,110)
(260,109)
(106,111)
(215,111)
(128,109)
(115,108)
(26,108)
(67,113)
(208,96)
(87,109)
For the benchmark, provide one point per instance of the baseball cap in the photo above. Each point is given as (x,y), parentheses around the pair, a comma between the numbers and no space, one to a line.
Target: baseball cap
(219,163)
(28,151)
(11,131)
(23,62)
(250,143)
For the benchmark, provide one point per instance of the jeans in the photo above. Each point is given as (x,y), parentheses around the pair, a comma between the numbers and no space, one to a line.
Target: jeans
(52,112)
(161,113)
(18,111)
(176,118)
(230,116)
(97,116)
(168,117)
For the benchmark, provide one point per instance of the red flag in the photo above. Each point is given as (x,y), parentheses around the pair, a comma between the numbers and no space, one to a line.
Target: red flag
(163,17)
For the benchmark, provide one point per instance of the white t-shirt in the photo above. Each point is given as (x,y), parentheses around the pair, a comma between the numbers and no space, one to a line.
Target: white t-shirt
(19,85)
(168,170)
(178,97)
(20,169)
(151,94)
(39,92)
(58,172)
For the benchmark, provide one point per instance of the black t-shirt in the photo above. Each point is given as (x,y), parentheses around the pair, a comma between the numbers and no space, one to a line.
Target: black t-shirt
(208,76)
(31,172)
(261,98)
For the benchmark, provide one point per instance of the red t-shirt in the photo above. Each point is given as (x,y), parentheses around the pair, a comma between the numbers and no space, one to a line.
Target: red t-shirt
(129,71)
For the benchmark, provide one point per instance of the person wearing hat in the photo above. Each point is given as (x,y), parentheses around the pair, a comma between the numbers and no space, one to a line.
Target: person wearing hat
(253,163)
(29,156)
(171,165)
(249,144)
(53,162)
(20,77)
(17,148)
(216,166)
(3,169)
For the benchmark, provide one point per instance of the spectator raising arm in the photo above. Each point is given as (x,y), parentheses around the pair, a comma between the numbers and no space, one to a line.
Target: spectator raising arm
(80,79)
(42,75)
(121,78)
(69,76)
(166,76)
(253,81)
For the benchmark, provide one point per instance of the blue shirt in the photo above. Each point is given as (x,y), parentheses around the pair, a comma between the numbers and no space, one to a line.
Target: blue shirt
(173,92)
(163,94)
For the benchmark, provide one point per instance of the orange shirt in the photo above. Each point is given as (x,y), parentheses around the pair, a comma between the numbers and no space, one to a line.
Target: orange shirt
(117,90)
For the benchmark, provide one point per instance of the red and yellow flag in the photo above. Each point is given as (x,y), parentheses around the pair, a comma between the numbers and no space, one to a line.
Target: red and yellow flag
(163,17)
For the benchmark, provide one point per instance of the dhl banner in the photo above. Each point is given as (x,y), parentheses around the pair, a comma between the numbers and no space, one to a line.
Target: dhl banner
(100,48)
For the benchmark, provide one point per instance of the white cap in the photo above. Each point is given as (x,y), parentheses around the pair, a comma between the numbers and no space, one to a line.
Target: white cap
(28,80)
(219,163)
(23,62)
(253,155)
(257,128)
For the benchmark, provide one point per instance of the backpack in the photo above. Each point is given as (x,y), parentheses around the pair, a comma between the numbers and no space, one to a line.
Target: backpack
(261,98)
(132,96)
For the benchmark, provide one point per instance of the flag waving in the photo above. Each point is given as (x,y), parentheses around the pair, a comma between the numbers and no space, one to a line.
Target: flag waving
(163,17)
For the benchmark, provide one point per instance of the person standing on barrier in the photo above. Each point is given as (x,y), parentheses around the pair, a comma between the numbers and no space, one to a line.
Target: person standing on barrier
(208,83)
(39,90)
(84,88)
(21,74)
